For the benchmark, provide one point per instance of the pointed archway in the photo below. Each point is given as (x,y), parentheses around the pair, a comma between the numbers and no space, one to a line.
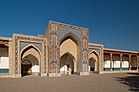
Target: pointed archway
(30,61)
(67,61)
(69,55)
(93,61)
(92,65)
(26,68)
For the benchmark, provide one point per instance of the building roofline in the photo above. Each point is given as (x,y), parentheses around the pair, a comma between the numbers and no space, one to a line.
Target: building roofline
(26,35)
(96,44)
(118,50)
(67,24)
(5,38)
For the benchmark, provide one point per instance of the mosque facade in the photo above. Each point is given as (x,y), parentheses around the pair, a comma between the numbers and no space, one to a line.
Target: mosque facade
(63,50)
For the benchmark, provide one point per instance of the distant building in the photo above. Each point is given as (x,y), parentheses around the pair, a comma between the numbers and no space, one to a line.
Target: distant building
(64,47)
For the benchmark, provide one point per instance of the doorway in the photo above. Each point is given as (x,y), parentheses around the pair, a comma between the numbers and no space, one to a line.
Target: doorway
(26,68)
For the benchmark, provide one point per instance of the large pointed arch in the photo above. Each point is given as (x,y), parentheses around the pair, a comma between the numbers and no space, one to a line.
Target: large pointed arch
(69,45)
(71,36)
(74,44)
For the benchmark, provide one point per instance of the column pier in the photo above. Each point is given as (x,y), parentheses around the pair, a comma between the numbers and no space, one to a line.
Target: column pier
(129,62)
(137,62)
(121,60)
(110,61)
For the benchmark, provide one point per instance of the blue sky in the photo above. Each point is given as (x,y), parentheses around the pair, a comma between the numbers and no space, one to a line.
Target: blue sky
(114,23)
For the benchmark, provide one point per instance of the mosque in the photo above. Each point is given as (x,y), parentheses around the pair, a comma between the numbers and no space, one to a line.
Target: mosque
(63,47)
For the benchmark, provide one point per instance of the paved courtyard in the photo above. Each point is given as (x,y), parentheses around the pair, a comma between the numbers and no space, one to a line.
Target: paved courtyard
(120,82)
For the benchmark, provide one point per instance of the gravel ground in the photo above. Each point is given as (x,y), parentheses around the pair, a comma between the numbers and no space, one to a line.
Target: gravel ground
(120,82)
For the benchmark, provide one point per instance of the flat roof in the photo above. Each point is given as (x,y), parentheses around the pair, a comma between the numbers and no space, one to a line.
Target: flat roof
(96,44)
(5,38)
(118,50)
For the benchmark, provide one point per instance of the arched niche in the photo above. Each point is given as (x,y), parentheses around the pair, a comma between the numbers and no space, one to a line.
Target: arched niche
(32,54)
(67,61)
(93,61)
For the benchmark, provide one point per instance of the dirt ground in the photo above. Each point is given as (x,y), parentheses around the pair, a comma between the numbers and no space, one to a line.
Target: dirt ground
(122,82)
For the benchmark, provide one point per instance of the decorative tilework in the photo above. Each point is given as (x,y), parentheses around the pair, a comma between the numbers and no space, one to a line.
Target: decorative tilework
(57,33)
(94,49)
(22,44)
(63,31)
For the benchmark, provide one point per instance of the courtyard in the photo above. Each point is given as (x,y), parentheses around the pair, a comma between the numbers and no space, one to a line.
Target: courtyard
(112,82)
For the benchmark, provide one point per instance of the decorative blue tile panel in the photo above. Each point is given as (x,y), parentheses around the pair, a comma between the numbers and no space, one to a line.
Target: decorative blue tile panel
(94,49)
(22,44)
(18,40)
(64,30)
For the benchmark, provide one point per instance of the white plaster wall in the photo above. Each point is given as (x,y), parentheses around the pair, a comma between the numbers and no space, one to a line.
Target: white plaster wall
(64,68)
(116,64)
(89,68)
(125,64)
(4,59)
(107,64)
(4,62)
(36,68)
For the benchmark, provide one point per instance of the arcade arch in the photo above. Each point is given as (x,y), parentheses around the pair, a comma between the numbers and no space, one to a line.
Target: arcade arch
(67,61)
(30,60)
(69,55)
(93,61)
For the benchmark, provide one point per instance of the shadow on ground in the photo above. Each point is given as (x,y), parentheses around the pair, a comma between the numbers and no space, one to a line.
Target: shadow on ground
(131,81)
